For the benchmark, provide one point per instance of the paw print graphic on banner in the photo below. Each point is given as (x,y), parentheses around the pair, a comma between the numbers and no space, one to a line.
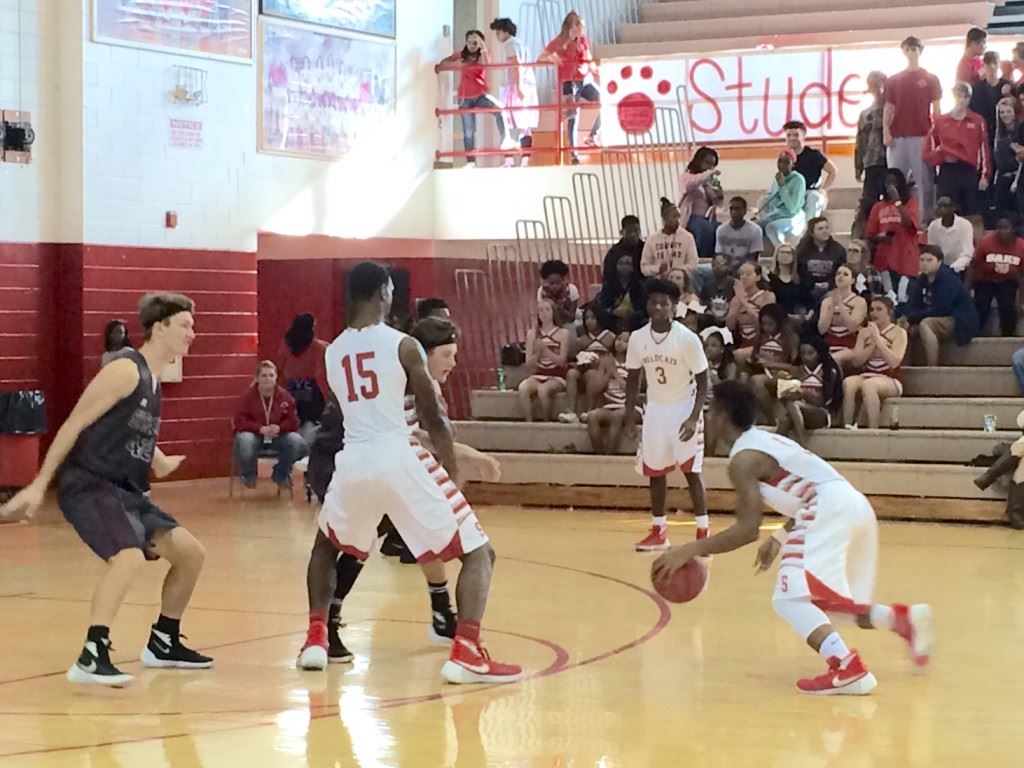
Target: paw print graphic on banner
(635,110)
(633,93)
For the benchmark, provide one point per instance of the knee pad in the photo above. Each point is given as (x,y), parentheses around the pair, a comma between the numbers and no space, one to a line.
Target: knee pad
(801,614)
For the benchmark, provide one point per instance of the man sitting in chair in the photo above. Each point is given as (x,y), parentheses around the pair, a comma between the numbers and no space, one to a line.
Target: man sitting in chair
(266,423)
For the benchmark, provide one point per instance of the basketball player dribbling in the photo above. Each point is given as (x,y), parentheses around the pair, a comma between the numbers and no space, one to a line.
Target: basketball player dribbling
(672,359)
(383,467)
(829,544)
(104,453)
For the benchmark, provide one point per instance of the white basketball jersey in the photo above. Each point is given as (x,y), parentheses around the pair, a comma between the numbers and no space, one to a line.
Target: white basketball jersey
(800,471)
(367,377)
(670,360)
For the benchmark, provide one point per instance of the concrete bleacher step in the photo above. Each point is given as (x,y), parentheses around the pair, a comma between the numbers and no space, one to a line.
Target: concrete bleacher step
(914,445)
(994,352)
(987,381)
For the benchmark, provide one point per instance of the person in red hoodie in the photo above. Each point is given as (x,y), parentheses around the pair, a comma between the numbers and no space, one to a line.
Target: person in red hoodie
(266,418)
(996,272)
(892,228)
(960,148)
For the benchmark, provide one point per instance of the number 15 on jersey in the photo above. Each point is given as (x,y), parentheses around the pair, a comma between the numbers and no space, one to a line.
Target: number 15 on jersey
(358,366)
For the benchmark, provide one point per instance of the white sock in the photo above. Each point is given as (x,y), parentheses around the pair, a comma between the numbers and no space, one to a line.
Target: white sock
(882,617)
(659,522)
(702,521)
(833,645)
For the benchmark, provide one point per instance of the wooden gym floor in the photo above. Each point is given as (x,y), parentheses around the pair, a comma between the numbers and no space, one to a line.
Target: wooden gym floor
(618,678)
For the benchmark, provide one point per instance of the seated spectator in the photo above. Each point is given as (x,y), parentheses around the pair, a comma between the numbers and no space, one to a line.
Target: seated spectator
(577,72)
(471,63)
(818,256)
(877,356)
(547,356)
(892,230)
(866,280)
(266,417)
(689,303)
(995,274)
(784,281)
(717,295)
(671,246)
(750,294)
(1017,361)
(301,366)
(958,146)
(939,307)
(721,367)
(781,213)
(115,338)
(869,162)
(1007,155)
(841,317)
(738,239)
(556,288)
(775,349)
(817,401)
(586,349)
(811,164)
(700,194)
(604,423)
(621,304)
(629,243)
(952,234)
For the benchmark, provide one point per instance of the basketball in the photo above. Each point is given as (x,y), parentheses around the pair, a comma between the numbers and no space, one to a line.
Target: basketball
(683,585)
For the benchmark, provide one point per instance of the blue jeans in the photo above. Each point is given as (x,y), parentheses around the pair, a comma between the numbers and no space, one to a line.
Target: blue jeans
(1018,367)
(469,120)
(288,447)
(703,230)
(578,91)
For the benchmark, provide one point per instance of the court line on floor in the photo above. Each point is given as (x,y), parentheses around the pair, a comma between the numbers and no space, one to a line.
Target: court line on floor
(664,617)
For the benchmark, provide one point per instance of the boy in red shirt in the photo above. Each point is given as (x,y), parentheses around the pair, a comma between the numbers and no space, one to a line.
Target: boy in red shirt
(576,69)
(892,228)
(970,66)
(959,146)
(266,419)
(995,273)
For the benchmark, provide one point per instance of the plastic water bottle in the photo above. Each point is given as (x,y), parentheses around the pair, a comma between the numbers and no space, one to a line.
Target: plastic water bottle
(501,378)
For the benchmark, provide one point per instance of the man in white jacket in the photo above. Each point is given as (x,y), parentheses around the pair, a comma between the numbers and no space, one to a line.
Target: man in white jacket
(953,234)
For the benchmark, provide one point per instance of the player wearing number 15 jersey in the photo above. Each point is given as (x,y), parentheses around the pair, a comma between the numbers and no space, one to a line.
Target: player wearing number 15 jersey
(672,359)
(383,467)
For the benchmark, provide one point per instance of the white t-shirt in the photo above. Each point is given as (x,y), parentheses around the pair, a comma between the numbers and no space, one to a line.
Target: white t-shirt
(671,361)
(956,242)
(676,250)
(513,48)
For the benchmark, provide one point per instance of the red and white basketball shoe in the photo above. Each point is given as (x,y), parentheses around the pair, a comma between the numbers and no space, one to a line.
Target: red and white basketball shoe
(914,624)
(846,677)
(471,663)
(654,541)
(314,653)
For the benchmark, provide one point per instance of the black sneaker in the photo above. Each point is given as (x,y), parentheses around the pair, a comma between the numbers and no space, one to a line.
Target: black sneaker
(94,667)
(392,546)
(337,653)
(442,626)
(166,651)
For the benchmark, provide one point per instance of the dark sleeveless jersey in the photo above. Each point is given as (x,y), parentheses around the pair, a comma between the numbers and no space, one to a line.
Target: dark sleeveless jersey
(119,446)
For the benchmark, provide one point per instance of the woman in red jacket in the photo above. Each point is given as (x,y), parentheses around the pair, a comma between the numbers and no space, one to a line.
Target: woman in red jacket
(300,363)
(266,419)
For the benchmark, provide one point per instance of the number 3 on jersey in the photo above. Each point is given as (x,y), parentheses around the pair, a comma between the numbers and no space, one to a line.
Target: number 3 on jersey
(661,378)
(369,387)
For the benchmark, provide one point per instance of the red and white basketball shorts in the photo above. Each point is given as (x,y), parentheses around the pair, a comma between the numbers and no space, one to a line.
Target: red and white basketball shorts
(831,555)
(403,480)
(661,448)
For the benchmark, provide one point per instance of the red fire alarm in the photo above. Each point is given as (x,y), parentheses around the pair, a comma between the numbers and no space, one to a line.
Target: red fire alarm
(171,220)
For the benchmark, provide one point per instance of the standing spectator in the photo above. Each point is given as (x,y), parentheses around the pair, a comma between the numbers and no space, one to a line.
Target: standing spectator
(784,282)
(995,273)
(577,73)
(589,345)
(954,235)
(518,88)
(811,164)
(433,306)
(818,402)
(818,256)
(958,145)
(700,194)
(471,63)
(115,338)
(1013,70)
(869,152)
(738,239)
(1009,139)
(266,418)
(970,66)
(671,246)
(988,91)
(841,317)
(781,213)
(547,356)
(555,287)
(878,355)
(892,228)
(866,280)
(717,295)
(939,307)
(621,303)
(301,366)
(911,101)
(750,294)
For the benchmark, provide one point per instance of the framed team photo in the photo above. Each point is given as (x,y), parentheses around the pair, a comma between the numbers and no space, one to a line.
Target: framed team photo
(323,93)
(373,17)
(218,29)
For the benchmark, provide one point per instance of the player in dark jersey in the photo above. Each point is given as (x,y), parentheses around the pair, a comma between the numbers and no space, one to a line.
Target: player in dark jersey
(104,453)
